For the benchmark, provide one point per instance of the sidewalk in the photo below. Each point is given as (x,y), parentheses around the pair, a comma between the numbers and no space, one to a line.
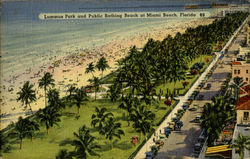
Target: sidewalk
(160,130)
(141,154)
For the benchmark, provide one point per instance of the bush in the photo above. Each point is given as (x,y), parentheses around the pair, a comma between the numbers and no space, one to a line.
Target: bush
(185,83)
(168,102)
(194,72)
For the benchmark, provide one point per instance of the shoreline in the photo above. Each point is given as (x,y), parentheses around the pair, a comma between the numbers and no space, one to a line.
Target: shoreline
(72,67)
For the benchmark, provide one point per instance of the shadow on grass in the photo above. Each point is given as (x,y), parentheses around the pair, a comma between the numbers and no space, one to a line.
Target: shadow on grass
(189,77)
(65,142)
(105,147)
(92,129)
(162,108)
(69,114)
(40,135)
(123,117)
(122,145)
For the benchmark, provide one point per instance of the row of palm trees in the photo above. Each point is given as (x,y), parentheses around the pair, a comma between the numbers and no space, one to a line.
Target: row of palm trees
(141,71)
(167,61)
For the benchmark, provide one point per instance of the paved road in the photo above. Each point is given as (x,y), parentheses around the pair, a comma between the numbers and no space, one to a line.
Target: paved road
(180,144)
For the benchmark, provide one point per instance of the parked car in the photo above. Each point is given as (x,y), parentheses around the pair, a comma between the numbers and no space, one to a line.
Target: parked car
(208,86)
(197,148)
(201,85)
(191,98)
(150,155)
(197,119)
(178,125)
(185,106)
(159,144)
(200,97)
(167,131)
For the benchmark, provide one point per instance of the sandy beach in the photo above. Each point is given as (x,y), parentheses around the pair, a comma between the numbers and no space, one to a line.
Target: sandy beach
(71,69)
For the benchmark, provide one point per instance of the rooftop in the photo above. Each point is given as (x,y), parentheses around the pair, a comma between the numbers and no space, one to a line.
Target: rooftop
(243,103)
(236,63)
(245,88)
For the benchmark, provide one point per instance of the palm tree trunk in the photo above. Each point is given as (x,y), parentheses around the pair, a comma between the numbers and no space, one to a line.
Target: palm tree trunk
(45,101)
(47,131)
(140,137)
(95,94)
(21,144)
(174,90)
(31,138)
(30,109)
(128,119)
(78,110)
(111,146)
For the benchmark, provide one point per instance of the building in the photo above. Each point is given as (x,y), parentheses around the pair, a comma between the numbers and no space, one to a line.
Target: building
(243,52)
(243,119)
(235,9)
(243,110)
(241,69)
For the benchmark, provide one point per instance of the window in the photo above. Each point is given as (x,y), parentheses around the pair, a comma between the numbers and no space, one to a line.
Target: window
(238,71)
(246,79)
(235,71)
(246,71)
(246,116)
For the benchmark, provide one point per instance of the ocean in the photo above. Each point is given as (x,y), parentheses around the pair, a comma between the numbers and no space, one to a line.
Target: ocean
(27,41)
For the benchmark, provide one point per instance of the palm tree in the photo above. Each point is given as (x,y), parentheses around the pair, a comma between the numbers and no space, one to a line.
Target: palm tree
(32,127)
(114,92)
(112,129)
(128,104)
(79,97)
(240,144)
(215,117)
(27,95)
(63,154)
(102,64)
(90,68)
(142,119)
(54,99)
(71,90)
(84,144)
(100,117)
(177,74)
(5,143)
(50,116)
(21,130)
(45,82)
(96,84)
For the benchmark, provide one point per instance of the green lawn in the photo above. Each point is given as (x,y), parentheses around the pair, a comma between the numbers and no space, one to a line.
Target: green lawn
(46,147)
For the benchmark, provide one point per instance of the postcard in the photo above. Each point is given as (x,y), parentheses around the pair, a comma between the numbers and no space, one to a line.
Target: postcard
(118,79)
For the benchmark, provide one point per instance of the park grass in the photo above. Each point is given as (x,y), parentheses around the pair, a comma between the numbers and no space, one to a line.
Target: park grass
(47,146)
(189,78)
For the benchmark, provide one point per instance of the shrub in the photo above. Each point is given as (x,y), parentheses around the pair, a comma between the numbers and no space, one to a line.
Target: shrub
(168,102)
(185,83)
(194,72)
